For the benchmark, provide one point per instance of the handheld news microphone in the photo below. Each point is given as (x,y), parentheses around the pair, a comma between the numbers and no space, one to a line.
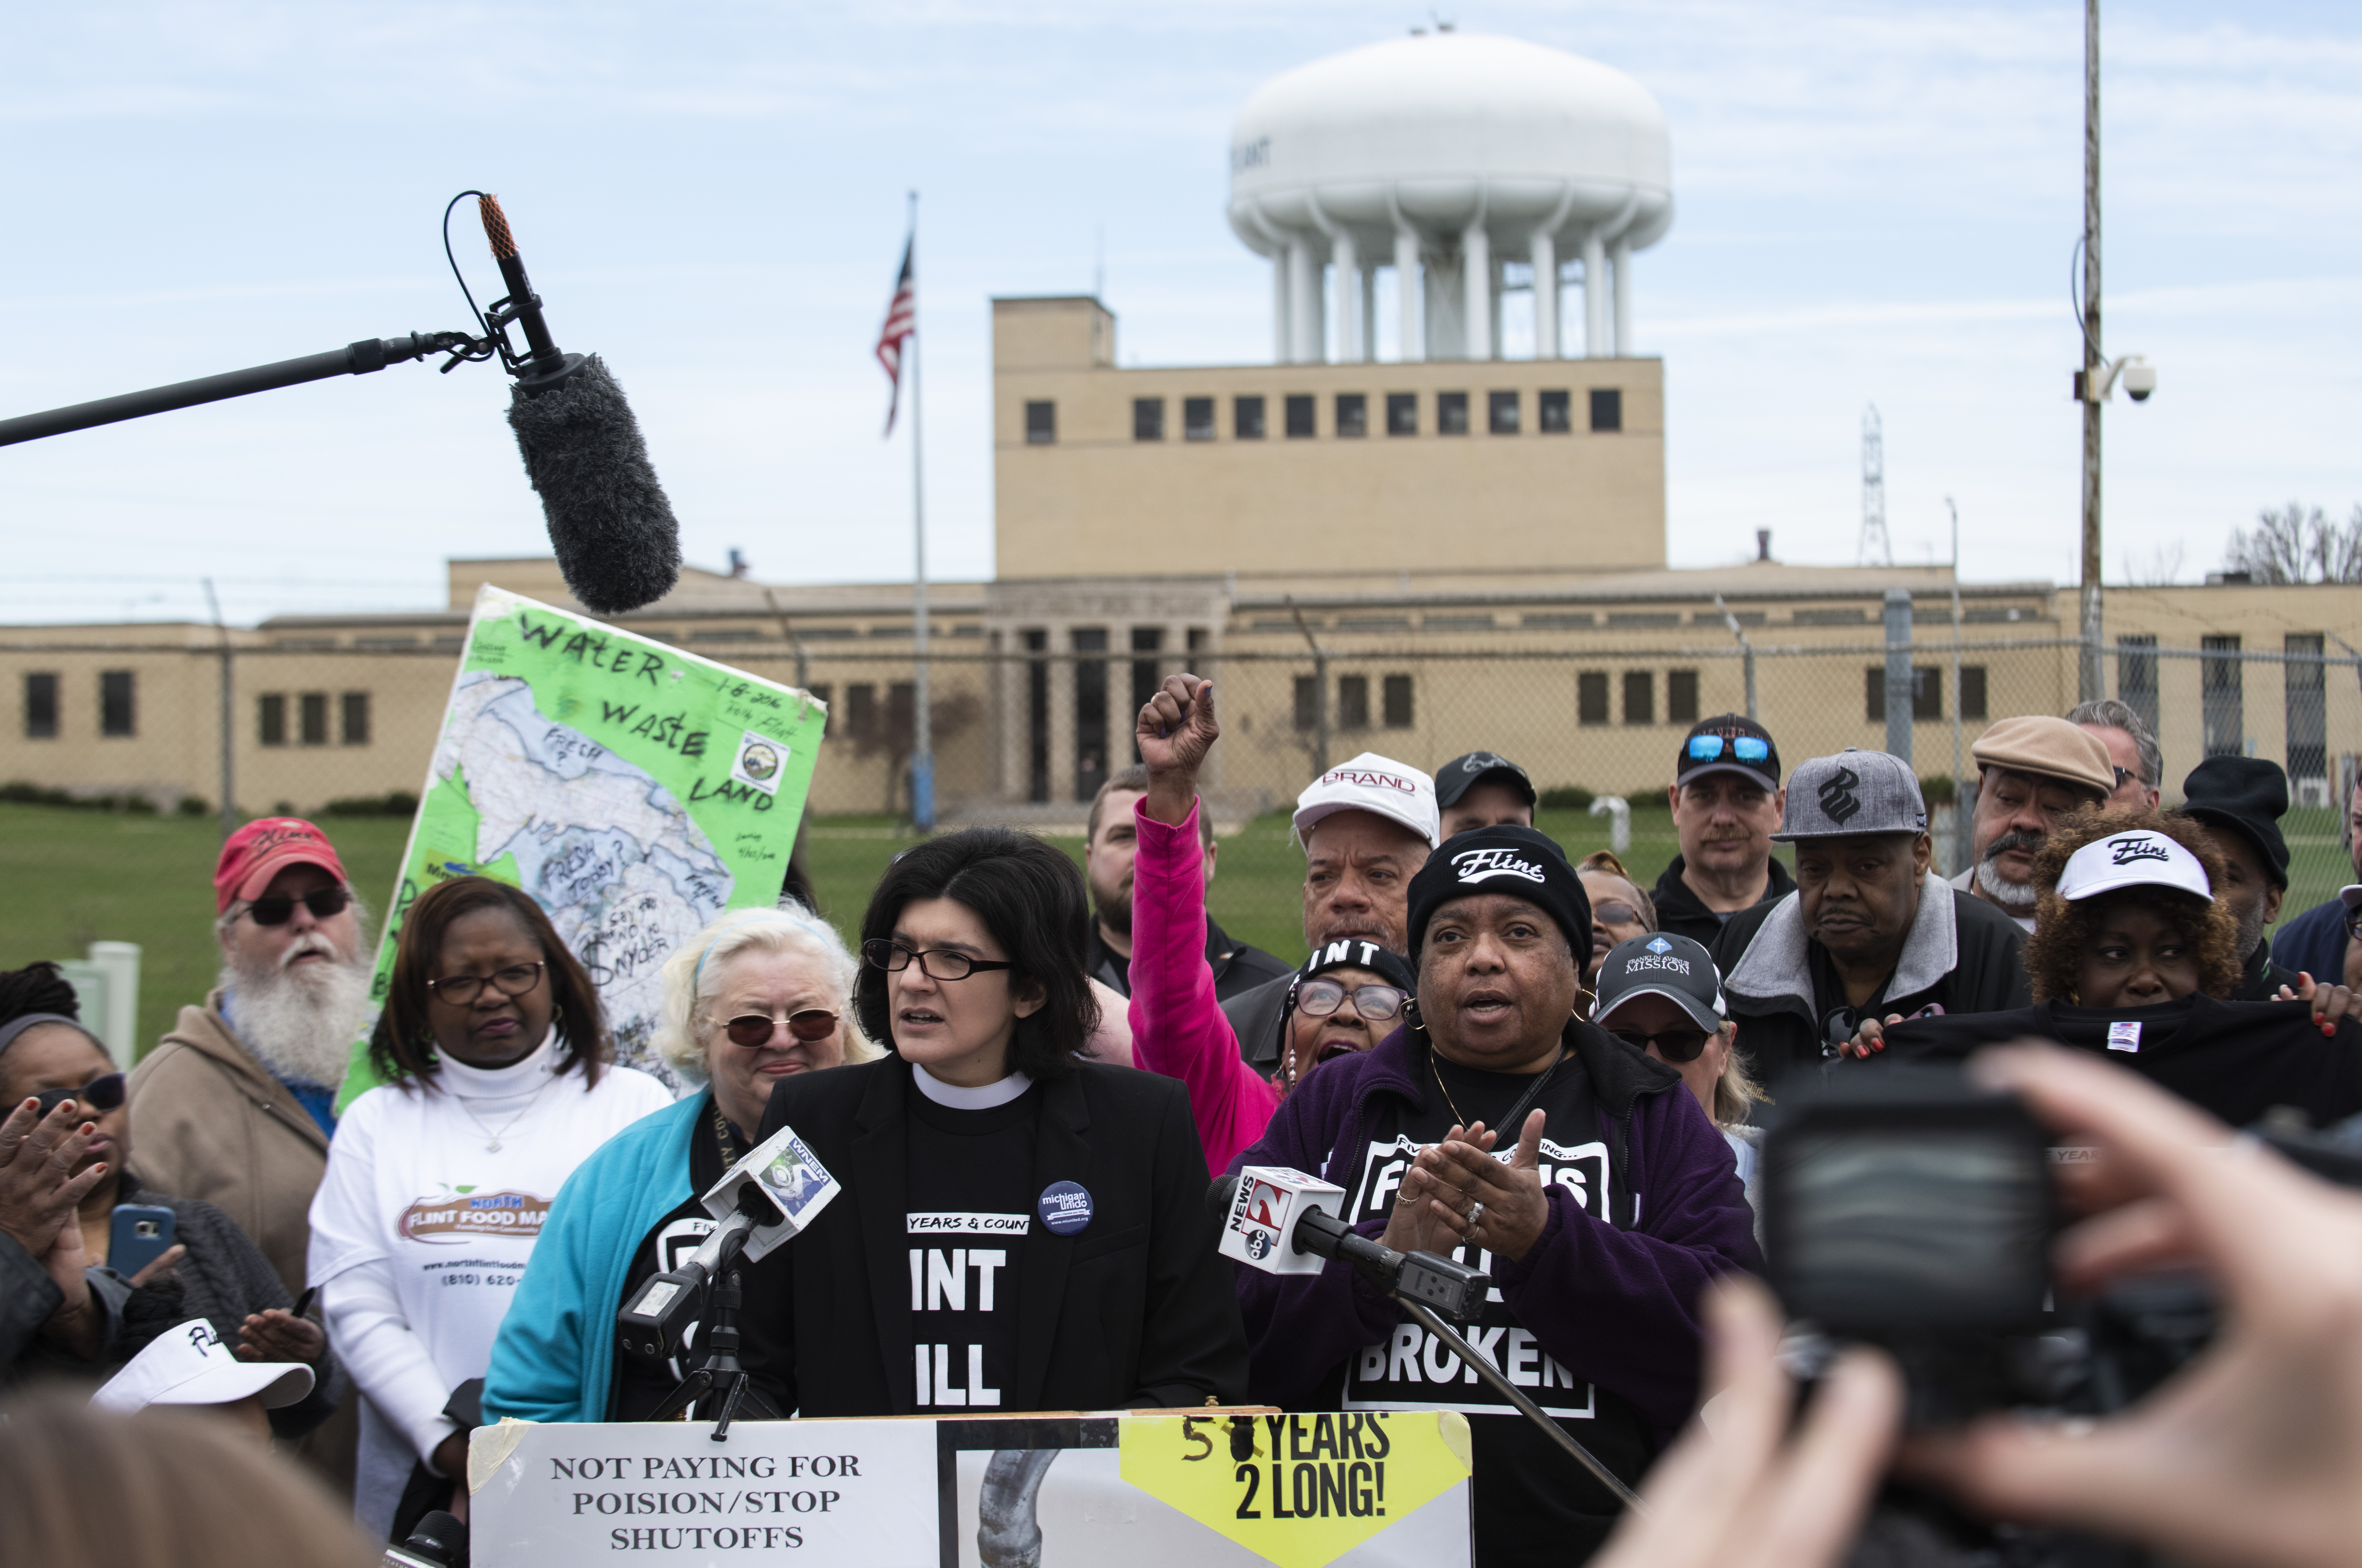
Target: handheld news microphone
(618,543)
(653,1322)
(771,1194)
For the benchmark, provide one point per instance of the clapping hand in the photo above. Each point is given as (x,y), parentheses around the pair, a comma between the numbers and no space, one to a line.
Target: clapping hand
(277,1335)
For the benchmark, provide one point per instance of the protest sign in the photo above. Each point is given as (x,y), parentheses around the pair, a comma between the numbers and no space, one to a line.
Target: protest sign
(633,789)
(1163,1489)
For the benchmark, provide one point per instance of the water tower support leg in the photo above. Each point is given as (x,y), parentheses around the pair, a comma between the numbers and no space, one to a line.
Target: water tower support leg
(1596,289)
(1545,297)
(1349,324)
(1406,278)
(1620,263)
(1476,280)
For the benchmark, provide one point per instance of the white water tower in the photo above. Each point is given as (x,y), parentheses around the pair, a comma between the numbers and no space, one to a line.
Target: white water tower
(1448,155)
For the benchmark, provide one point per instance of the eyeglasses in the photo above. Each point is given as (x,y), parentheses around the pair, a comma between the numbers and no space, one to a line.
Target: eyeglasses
(1372,1004)
(1673,1044)
(936,964)
(1615,914)
(277,908)
(514,981)
(102,1093)
(753,1028)
(1745,749)
(2354,923)
(2125,776)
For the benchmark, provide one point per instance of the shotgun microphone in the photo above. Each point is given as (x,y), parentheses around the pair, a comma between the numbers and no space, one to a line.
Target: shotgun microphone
(617,542)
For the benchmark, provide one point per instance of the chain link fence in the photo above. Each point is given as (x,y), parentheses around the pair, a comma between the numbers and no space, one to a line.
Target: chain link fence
(1027,737)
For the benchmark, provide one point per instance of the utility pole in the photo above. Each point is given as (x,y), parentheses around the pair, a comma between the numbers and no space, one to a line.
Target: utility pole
(2090,684)
(229,720)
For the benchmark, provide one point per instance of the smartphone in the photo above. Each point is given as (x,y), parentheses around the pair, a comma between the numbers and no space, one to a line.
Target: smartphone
(138,1235)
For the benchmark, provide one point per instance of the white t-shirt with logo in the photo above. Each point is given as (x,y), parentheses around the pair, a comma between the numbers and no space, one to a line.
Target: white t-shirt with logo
(420,1233)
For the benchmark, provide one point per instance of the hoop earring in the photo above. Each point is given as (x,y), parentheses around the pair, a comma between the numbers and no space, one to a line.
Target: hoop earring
(1411,1016)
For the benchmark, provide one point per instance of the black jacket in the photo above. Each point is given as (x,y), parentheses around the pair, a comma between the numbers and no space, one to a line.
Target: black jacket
(2260,980)
(1962,955)
(2237,1060)
(1135,1309)
(1238,966)
(1682,912)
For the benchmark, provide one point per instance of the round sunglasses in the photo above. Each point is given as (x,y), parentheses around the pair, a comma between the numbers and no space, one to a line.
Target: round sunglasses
(102,1094)
(1372,1004)
(278,908)
(753,1028)
(1614,914)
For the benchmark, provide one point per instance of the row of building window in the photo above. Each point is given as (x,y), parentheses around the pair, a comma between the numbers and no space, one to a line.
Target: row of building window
(118,708)
(310,710)
(1352,709)
(1299,415)
(1926,692)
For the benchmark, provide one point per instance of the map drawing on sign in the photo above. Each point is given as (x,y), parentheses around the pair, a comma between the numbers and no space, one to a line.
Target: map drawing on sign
(635,790)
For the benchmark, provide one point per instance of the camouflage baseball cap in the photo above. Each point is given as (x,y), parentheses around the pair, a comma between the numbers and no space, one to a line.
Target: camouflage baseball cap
(1851,793)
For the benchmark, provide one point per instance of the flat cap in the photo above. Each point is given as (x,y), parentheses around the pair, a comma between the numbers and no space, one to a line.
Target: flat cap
(2046,747)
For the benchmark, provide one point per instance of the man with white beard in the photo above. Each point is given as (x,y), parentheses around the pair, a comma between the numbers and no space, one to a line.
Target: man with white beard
(233,1106)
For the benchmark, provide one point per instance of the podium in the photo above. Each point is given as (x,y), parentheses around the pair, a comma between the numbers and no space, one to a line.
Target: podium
(1146,1489)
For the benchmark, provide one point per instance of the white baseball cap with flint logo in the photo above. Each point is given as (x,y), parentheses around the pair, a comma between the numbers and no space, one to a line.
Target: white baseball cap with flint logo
(190,1365)
(1375,784)
(1852,793)
(2138,858)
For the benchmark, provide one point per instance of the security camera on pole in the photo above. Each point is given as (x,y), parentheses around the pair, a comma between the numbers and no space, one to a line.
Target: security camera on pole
(2096,381)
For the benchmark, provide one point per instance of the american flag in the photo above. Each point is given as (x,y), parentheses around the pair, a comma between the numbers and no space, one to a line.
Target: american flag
(901,323)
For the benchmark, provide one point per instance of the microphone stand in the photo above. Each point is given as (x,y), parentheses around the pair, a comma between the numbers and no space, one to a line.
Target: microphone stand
(1470,1356)
(1413,1280)
(720,1334)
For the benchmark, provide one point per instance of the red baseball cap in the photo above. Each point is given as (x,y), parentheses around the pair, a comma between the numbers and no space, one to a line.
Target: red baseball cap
(263,848)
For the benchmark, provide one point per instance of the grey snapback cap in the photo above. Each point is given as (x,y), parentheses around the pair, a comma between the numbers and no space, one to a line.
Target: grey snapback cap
(1851,793)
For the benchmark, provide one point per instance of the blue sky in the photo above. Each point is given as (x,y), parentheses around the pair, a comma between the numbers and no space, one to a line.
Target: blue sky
(1877,205)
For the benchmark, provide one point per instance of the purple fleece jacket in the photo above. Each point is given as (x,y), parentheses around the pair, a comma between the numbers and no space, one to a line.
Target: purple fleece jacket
(1618,1306)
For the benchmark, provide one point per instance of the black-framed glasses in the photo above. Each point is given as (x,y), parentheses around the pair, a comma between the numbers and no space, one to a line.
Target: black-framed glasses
(278,908)
(753,1028)
(102,1094)
(1372,1003)
(2125,776)
(1673,1044)
(935,962)
(1614,914)
(1745,749)
(513,981)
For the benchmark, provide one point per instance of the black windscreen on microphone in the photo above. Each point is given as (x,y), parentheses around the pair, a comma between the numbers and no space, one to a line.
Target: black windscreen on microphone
(618,545)
(612,528)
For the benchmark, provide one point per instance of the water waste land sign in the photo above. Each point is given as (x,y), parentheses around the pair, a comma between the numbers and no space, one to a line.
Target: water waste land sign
(635,790)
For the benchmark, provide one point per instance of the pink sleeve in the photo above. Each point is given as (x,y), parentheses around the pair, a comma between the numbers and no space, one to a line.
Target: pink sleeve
(1177,1026)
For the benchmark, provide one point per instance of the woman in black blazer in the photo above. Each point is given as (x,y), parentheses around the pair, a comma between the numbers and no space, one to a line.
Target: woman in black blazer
(1018,1229)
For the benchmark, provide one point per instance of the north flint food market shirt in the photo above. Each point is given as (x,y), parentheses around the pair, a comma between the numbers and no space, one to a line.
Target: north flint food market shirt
(420,1234)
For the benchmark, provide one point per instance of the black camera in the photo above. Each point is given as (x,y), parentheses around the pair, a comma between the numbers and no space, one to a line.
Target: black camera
(1909,1209)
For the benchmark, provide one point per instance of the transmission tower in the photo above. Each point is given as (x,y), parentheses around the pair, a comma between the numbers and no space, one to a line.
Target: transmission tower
(1876,549)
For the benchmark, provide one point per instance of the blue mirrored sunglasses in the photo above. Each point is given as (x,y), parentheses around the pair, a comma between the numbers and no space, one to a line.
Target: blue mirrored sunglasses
(1745,749)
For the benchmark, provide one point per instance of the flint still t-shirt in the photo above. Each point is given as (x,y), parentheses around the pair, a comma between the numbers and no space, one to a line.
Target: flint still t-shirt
(968,1217)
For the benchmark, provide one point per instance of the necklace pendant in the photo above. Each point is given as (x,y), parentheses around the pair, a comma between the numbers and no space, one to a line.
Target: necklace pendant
(493,1147)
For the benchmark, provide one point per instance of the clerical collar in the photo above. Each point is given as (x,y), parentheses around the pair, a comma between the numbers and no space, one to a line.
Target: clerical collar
(959,1099)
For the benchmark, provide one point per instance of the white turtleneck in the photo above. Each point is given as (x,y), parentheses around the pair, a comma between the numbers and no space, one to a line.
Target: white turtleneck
(422,1228)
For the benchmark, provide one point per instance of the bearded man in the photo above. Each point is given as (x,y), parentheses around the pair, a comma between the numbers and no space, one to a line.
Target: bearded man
(234,1105)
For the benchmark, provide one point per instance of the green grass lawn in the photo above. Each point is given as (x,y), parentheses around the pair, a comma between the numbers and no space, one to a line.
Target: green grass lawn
(76,877)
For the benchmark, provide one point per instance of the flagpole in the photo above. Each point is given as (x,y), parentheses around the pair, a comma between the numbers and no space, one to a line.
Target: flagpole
(922,740)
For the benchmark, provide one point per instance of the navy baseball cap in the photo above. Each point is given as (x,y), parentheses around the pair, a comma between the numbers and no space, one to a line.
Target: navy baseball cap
(1460,775)
(1729,743)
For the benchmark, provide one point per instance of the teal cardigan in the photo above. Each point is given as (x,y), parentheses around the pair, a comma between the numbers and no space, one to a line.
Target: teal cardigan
(554,1358)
